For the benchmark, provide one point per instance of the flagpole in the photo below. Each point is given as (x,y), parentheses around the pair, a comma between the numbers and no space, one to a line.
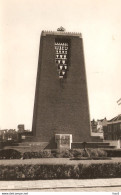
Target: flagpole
(119,103)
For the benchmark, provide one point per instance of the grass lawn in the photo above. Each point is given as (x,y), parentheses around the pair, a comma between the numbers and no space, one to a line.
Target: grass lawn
(57,161)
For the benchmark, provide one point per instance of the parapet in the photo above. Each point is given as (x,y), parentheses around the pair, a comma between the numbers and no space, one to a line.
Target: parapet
(61,33)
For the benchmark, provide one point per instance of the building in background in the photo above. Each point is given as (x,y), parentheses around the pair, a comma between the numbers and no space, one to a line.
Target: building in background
(112,130)
(100,124)
(21,128)
(94,126)
(97,126)
(8,135)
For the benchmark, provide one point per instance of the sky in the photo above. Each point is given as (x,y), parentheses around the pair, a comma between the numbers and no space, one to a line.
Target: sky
(21,23)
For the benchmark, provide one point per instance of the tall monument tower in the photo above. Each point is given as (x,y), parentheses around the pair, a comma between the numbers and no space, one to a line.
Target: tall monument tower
(61,98)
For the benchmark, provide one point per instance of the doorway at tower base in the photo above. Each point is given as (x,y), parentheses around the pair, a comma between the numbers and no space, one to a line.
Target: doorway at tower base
(63,141)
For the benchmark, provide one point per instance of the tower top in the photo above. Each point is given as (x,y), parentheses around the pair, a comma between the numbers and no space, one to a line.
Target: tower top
(61,29)
(61,32)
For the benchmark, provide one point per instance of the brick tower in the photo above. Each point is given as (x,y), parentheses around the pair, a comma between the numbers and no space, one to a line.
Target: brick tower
(61,98)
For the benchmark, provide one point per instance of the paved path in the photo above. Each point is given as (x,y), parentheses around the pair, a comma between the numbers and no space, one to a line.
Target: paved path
(86,189)
(63,185)
(55,161)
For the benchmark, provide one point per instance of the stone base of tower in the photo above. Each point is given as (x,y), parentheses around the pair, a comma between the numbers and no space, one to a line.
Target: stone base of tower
(62,141)
(59,141)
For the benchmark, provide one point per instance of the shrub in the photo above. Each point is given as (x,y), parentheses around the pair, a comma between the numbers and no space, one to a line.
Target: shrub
(14,154)
(97,153)
(46,154)
(40,154)
(88,153)
(29,155)
(77,152)
(56,153)
(10,154)
(63,153)
(68,153)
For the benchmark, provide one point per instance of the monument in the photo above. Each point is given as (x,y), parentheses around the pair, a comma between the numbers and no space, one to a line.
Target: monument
(61,109)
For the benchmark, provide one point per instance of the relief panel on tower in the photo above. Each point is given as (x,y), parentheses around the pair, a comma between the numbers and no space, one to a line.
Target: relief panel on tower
(61,57)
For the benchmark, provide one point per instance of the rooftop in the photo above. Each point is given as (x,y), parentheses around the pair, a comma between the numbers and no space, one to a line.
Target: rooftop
(117,118)
(61,31)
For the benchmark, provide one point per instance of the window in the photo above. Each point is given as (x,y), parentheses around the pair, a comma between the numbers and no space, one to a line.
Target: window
(120,126)
(61,59)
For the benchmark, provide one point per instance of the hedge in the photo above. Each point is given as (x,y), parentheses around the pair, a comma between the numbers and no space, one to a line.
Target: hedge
(65,153)
(10,154)
(61,171)
(14,154)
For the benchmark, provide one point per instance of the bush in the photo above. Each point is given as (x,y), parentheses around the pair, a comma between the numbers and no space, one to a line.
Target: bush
(61,171)
(65,153)
(10,154)
(46,154)
(97,153)
(88,153)
(79,153)
(14,154)
(40,154)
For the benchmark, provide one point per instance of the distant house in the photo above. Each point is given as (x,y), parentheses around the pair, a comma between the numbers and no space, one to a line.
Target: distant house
(100,124)
(97,126)
(94,126)
(112,130)
(8,134)
(21,128)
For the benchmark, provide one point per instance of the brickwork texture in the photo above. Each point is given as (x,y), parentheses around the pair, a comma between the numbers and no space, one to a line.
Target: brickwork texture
(61,105)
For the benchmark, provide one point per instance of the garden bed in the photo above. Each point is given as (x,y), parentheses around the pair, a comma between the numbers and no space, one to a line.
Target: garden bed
(46,164)
(14,154)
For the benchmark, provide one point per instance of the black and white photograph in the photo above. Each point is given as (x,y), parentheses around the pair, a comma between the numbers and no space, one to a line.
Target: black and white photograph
(60,96)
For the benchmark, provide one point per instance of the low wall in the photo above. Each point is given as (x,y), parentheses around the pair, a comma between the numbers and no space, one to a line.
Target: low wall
(79,145)
(116,143)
